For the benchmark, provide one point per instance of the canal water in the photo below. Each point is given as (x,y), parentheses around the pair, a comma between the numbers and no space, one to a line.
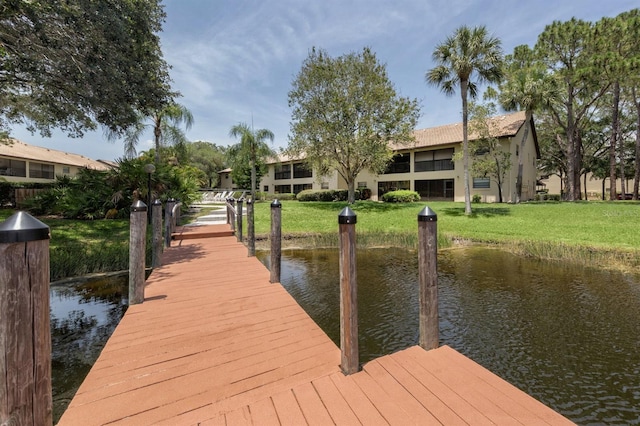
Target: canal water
(567,335)
(83,317)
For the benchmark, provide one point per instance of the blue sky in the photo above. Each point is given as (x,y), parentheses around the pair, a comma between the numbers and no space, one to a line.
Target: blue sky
(234,60)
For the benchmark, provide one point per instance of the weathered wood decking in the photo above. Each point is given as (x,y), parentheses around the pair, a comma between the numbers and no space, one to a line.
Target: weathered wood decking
(215,343)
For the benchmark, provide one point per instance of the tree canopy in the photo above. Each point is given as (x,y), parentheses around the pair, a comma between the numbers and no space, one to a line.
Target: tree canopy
(76,64)
(208,157)
(247,157)
(346,112)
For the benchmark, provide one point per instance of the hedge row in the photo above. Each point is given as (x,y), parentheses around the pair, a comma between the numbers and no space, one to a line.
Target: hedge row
(331,195)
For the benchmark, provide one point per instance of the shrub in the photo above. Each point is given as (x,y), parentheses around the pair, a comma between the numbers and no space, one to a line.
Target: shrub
(477,198)
(326,195)
(543,196)
(401,196)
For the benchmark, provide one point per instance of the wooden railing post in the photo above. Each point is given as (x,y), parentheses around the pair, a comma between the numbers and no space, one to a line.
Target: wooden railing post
(276,241)
(232,214)
(348,292)
(239,219)
(137,250)
(168,208)
(428,277)
(156,220)
(251,229)
(25,333)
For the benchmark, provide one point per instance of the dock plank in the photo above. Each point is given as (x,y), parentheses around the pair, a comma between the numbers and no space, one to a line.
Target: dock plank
(214,343)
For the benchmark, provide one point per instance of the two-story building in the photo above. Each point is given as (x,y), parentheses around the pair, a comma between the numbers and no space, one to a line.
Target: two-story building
(426,166)
(20,162)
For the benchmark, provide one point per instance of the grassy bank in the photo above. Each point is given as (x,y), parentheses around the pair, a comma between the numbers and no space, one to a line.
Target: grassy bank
(602,234)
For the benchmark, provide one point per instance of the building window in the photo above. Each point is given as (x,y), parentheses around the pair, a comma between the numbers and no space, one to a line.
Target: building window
(435,190)
(434,160)
(401,163)
(324,185)
(300,170)
(42,171)
(384,187)
(265,188)
(362,185)
(66,170)
(481,183)
(282,189)
(302,187)
(13,167)
(283,171)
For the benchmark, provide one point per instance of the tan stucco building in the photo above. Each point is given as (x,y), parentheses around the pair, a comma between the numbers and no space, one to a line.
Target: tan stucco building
(426,166)
(20,162)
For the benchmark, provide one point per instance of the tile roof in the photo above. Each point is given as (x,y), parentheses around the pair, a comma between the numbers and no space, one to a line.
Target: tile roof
(17,149)
(506,125)
(503,125)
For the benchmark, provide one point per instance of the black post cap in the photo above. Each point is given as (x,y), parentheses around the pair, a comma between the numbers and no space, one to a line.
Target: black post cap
(347,217)
(138,206)
(427,215)
(21,227)
(157,202)
(275,204)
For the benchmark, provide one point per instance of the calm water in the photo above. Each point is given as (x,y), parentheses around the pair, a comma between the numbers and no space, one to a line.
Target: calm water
(568,336)
(83,316)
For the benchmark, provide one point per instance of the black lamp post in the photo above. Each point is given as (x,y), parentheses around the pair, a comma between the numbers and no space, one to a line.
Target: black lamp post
(149,169)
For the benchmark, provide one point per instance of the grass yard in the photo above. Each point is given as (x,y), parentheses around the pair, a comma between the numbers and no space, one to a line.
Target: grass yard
(605,234)
(601,233)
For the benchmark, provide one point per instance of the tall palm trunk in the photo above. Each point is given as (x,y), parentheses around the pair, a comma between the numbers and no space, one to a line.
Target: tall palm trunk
(523,141)
(464,84)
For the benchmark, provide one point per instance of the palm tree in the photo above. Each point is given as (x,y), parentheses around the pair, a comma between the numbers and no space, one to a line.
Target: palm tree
(252,145)
(165,124)
(469,53)
(526,87)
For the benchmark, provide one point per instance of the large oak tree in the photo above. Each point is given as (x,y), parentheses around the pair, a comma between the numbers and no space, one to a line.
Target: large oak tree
(78,64)
(345,114)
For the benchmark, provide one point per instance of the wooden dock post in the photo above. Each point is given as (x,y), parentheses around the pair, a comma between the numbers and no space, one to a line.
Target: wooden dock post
(25,333)
(428,277)
(348,292)
(239,219)
(156,220)
(276,241)
(137,251)
(231,202)
(168,208)
(251,229)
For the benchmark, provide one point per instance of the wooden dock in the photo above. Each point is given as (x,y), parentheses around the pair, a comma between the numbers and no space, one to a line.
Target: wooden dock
(214,343)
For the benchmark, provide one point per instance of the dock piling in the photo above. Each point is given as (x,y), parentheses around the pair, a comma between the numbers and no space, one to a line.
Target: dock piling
(156,221)
(276,241)
(137,250)
(25,334)
(348,293)
(428,278)
(239,219)
(251,229)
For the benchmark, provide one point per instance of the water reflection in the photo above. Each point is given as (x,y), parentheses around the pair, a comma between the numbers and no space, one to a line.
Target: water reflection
(566,335)
(83,317)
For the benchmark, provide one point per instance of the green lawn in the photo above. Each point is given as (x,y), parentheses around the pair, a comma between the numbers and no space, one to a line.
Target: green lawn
(603,234)
(597,233)
(596,224)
